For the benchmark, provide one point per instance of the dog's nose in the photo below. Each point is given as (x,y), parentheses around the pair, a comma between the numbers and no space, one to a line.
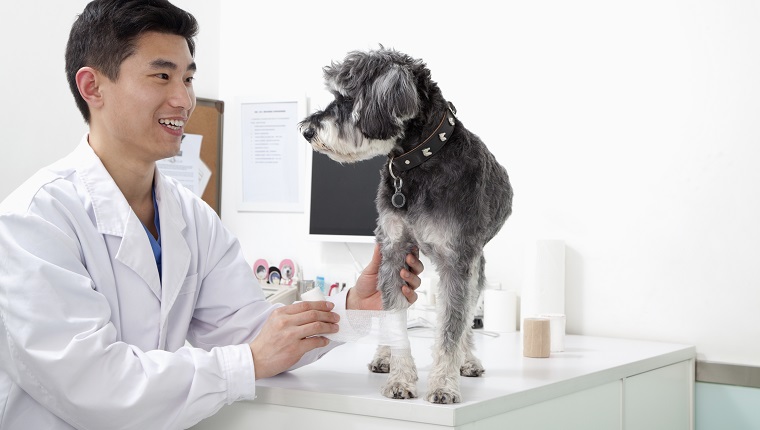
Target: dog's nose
(308,134)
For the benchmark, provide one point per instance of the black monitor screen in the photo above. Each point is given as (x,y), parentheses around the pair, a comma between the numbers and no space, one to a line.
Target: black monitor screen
(343,196)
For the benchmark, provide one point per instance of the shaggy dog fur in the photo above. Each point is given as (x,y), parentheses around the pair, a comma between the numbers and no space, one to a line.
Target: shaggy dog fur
(449,206)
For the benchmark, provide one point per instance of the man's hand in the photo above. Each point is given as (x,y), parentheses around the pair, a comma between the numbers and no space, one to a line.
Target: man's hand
(287,336)
(364,295)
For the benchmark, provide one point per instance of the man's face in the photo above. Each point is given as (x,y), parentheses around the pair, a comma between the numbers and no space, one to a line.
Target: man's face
(146,108)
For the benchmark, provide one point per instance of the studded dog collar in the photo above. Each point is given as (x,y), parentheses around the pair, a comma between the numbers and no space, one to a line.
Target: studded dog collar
(434,142)
(421,153)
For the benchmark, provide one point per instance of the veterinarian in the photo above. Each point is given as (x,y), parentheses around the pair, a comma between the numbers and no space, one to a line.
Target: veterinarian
(107,266)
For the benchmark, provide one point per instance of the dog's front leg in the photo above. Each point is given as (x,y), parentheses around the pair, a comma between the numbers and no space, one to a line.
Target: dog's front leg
(455,297)
(402,380)
(397,358)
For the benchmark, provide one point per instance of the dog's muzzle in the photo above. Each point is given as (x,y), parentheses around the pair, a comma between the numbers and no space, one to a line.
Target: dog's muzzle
(309,133)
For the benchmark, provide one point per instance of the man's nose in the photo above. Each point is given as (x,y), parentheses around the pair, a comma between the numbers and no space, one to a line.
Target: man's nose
(182,96)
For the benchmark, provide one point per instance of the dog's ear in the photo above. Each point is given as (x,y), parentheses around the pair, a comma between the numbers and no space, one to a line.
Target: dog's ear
(330,74)
(387,103)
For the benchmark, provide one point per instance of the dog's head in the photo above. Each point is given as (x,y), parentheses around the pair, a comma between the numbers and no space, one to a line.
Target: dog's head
(376,92)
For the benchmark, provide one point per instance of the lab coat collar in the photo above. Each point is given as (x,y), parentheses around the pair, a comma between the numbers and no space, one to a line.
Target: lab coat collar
(108,203)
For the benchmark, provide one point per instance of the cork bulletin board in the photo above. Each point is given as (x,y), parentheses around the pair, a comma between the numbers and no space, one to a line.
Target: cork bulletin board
(208,121)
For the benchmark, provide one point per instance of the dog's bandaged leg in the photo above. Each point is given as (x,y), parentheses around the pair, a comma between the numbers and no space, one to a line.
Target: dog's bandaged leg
(402,378)
(372,327)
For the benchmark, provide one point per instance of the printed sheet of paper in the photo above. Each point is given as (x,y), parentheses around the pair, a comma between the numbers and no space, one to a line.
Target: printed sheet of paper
(186,167)
(272,153)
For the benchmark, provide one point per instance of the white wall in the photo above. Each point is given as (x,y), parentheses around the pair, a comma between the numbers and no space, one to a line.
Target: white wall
(38,118)
(629,130)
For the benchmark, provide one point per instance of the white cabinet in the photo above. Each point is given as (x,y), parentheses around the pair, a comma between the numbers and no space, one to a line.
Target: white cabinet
(661,399)
(596,383)
(594,408)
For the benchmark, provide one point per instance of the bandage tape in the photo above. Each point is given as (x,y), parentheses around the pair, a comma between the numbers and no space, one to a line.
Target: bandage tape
(387,328)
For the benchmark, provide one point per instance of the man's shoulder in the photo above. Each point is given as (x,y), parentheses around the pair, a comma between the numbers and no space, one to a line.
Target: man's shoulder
(38,186)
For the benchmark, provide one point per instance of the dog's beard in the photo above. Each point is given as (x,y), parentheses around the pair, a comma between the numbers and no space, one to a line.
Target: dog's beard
(348,145)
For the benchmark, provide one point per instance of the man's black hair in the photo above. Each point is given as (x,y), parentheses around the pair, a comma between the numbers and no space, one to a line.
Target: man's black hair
(105,34)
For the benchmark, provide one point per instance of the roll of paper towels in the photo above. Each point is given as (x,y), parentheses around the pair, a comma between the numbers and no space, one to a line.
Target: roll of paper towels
(544,287)
(500,311)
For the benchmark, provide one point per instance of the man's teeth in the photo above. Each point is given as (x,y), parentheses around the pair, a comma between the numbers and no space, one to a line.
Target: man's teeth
(174,124)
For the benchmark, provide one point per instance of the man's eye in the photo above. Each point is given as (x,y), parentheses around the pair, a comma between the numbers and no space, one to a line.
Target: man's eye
(190,79)
(163,76)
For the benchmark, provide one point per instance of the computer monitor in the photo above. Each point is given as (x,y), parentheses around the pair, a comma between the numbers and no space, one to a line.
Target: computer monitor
(341,198)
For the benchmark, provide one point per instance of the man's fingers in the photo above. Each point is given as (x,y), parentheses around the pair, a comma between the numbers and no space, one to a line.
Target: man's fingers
(300,307)
(315,329)
(412,280)
(414,263)
(313,342)
(310,318)
(374,265)
(313,316)
(410,294)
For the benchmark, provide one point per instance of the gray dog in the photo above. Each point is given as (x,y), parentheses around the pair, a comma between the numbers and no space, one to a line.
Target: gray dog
(442,191)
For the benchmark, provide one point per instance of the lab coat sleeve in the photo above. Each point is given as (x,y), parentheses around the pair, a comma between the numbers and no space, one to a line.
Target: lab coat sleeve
(231,307)
(340,304)
(59,345)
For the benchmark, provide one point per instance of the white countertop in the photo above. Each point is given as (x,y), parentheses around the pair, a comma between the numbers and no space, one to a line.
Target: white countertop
(341,382)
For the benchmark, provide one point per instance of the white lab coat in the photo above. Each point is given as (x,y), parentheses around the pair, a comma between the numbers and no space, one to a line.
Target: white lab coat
(89,336)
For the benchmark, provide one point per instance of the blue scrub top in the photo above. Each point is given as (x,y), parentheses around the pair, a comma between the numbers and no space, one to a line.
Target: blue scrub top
(155,244)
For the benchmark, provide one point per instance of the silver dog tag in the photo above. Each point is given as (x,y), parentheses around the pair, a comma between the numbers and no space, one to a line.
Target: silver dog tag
(398,200)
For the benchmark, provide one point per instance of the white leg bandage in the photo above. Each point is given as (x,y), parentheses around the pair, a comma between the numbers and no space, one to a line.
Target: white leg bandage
(372,327)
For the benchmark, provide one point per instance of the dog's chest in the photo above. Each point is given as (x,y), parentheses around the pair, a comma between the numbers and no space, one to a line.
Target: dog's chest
(426,233)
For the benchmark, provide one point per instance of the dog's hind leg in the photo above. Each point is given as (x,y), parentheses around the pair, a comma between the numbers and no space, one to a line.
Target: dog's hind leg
(456,294)
(472,365)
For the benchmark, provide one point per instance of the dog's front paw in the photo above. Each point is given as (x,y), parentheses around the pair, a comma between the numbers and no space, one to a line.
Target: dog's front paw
(381,361)
(444,396)
(380,365)
(399,390)
(472,368)
(443,388)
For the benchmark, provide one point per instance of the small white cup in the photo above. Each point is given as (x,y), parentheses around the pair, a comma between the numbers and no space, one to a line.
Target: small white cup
(557,324)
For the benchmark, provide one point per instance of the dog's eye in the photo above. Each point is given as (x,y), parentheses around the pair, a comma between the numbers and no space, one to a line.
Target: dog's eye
(340,98)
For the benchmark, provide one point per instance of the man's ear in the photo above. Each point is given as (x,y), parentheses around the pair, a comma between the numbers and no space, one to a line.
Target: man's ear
(88,82)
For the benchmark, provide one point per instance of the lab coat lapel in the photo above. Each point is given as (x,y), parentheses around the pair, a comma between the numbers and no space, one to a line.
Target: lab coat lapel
(175,252)
(141,262)
(115,217)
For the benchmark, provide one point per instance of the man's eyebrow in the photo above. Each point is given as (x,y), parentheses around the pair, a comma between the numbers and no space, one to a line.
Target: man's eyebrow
(171,65)
(163,64)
